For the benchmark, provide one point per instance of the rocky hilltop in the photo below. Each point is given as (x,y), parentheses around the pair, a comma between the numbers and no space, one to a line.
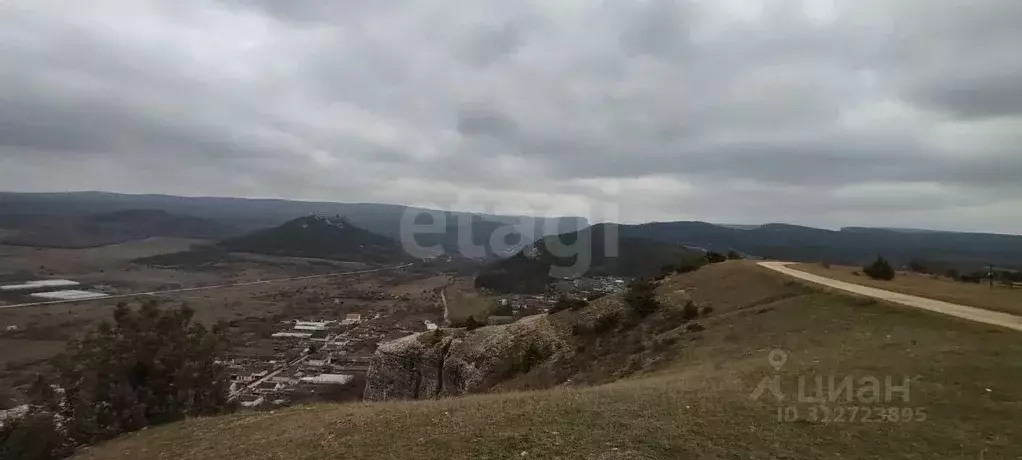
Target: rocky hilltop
(452,362)
(535,352)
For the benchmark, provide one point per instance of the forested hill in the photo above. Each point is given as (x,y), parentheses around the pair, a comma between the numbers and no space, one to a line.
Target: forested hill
(529,270)
(320,237)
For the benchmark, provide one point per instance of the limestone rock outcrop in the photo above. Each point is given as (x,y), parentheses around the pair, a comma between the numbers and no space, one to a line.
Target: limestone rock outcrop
(451,362)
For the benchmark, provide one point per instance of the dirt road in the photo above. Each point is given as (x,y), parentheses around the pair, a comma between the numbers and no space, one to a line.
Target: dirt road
(970,313)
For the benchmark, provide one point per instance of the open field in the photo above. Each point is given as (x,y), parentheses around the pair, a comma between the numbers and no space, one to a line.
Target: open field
(110,268)
(396,300)
(963,397)
(62,322)
(15,258)
(464,301)
(1000,298)
(402,301)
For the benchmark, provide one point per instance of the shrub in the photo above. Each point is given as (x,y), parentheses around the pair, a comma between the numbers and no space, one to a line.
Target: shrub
(532,356)
(34,436)
(715,257)
(734,255)
(472,324)
(880,269)
(641,297)
(665,342)
(567,303)
(695,327)
(691,311)
(606,323)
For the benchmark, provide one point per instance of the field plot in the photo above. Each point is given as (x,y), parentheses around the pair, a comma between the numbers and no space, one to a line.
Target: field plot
(20,361)
(999,298)
(15,258)
(463,301)
(18,352)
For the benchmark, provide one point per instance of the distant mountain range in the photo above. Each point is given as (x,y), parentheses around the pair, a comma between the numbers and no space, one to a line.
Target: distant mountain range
(605,253)
(109,228)
(92,218)
(853,245)
(455,231)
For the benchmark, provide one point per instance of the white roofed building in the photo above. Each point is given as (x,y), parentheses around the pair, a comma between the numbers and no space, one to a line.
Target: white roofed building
(312,325)
(41,284)
(69,295)
(328,379)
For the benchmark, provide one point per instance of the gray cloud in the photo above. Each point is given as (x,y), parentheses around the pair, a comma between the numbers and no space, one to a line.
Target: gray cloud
(822,112)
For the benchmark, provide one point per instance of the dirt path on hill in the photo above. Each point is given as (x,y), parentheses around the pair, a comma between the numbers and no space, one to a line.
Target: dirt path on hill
(961,311)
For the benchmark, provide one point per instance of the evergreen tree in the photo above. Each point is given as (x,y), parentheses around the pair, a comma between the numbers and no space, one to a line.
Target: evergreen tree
(715,257)
(880,269)
(148,367)
(641,296)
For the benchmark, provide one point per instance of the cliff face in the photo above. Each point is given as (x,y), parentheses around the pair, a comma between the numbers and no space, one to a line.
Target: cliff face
(451,362)
(407,368)
(601,342)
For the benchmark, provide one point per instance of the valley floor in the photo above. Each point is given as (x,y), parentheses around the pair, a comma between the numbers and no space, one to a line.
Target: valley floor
(764,378)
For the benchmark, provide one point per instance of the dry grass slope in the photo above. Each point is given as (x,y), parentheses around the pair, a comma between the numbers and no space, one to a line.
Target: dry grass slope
(694,404)
(464,301)
(999,298)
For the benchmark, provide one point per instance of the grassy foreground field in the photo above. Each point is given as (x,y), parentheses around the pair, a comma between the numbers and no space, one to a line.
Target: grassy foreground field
(965,380)
(1000,298)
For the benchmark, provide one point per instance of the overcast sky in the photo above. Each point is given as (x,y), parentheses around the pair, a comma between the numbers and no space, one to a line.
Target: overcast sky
(818,112)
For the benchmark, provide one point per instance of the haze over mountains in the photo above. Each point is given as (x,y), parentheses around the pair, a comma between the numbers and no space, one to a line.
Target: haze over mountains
(22,211)
(74,231)
(96,218)
(853,246)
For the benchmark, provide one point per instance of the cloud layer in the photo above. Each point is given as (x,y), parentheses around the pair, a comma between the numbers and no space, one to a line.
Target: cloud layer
(821,112)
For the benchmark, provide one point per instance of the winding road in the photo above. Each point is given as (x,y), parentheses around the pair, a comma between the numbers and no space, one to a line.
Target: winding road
(203,288)
(978,315)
